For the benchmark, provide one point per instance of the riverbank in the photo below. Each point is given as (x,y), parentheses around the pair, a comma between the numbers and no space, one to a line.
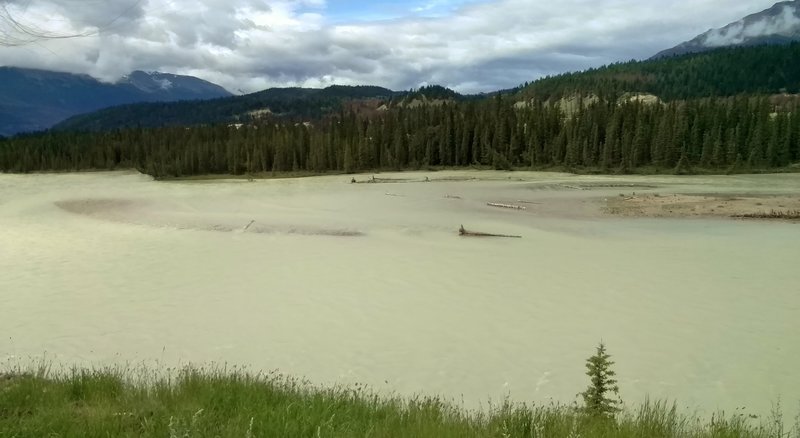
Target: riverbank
(599,171)
(766,207)
(234,403)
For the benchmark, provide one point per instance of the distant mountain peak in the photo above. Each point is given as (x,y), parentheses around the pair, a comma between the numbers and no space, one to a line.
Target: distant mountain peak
(779,24)
(33,99)
(186,86)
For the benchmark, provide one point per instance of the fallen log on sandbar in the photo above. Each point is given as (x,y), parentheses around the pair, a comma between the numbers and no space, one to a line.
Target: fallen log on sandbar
(464,232)
(773,214)
(510,206)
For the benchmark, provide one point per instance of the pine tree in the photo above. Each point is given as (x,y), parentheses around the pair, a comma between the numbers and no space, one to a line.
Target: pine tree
(683,168)
(596,397)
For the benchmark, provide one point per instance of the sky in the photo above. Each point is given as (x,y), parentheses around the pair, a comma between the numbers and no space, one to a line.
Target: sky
(249,45)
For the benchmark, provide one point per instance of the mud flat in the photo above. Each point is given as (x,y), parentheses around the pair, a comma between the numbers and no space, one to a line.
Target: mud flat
(763,207)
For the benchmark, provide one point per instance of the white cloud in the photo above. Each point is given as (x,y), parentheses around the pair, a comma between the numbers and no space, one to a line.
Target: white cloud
(254,44)
(783,23)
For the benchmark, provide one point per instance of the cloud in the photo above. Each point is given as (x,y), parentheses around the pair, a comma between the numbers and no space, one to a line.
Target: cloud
(249,45)
(785,23)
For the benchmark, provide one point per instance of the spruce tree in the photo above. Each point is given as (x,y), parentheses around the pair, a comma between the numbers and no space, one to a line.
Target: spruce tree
(682,168)
(596,398)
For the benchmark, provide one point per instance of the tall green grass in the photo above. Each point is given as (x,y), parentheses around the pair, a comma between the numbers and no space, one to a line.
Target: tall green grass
(217,402)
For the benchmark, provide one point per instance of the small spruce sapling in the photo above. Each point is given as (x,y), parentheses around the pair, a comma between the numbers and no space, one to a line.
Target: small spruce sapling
(597,400)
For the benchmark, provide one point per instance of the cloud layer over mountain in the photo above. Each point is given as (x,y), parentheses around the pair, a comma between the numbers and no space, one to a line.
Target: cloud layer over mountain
(784,22)
(250,45)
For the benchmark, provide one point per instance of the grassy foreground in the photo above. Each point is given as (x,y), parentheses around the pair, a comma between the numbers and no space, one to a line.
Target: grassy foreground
(201,402)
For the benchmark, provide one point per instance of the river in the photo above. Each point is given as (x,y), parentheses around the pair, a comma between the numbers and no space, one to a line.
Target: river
(370,283)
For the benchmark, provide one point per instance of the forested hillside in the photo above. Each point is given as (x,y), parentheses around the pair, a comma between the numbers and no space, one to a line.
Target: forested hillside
(730,134)
(743,127)
(724,72)
(291,103)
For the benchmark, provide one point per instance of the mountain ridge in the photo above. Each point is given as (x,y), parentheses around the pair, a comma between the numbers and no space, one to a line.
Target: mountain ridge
(294,103)
(724,72)
(779,24)
(34,99)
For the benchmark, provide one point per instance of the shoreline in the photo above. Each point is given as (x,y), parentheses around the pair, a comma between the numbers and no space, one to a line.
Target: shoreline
(742,207)
(236,403)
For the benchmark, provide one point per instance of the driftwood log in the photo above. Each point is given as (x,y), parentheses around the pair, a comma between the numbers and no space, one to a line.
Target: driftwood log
(464,232)
(772,214)
(513,207)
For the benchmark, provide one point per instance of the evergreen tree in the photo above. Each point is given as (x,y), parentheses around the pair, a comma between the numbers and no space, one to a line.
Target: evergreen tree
(597,397)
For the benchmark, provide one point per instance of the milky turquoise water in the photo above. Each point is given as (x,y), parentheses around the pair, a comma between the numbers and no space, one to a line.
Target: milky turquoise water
(370,283)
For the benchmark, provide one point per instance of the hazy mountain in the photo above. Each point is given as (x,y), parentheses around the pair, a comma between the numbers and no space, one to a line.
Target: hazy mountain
(32,100)
(174,87)
(779,24)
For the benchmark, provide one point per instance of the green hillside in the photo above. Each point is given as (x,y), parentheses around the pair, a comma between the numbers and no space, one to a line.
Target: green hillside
(763,70)
(724,72)
(293,103)
(721,114)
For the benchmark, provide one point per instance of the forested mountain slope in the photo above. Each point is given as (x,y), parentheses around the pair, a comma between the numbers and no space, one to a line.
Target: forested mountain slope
(289,104)
(292,103)
(718,135)
(779,24)
(723,72)
(761,70)
(32,100)
(720,113)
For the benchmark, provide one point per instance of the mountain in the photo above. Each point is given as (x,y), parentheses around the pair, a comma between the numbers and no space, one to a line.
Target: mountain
(779,24)
(32,100)
(732,71)
(733,109)
(297,104)
(169,87)
(725,72)
(286,103)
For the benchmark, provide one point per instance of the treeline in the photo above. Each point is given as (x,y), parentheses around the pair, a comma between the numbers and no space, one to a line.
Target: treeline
(718,134)
(766,69)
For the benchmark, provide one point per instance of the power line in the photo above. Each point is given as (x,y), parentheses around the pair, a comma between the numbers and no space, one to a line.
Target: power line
(15,33)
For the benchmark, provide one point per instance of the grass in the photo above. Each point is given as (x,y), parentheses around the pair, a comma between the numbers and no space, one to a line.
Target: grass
(200,402)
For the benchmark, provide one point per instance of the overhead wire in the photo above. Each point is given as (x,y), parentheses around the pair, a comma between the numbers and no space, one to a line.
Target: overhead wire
(15,33)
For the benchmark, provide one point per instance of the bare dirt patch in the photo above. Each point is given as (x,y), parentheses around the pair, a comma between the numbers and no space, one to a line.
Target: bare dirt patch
(681,205)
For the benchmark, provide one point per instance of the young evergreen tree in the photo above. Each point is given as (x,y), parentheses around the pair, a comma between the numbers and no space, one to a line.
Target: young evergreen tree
(597,397)
(683,168)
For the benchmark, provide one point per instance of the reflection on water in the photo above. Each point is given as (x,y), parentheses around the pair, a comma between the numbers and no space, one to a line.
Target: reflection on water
(339,282)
